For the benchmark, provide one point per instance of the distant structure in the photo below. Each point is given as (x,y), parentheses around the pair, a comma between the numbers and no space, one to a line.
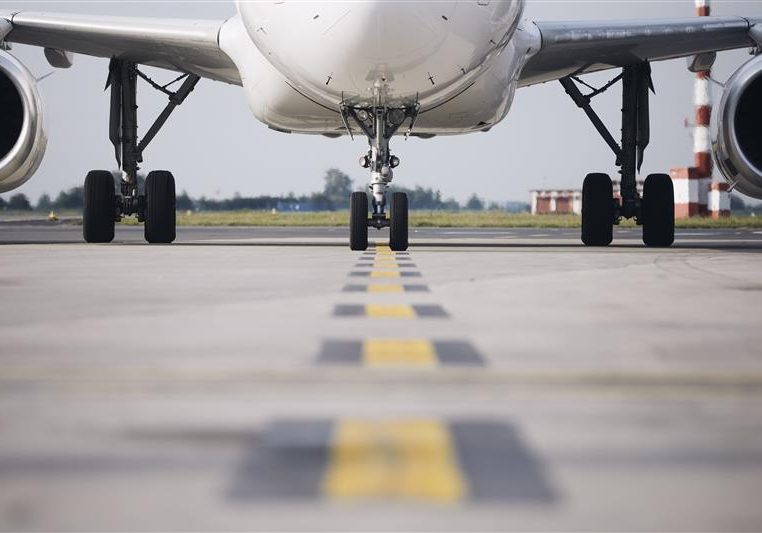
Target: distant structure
(696,194)
(563,201)
(559,202)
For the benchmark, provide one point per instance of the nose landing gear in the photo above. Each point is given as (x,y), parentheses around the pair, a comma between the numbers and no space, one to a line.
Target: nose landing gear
(379,123)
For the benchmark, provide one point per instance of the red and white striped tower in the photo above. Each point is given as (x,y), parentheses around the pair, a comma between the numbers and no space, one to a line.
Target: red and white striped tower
(695,192)
(702,137)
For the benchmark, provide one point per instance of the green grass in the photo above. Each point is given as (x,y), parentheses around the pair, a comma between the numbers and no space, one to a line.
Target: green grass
(429,219)
(418,219)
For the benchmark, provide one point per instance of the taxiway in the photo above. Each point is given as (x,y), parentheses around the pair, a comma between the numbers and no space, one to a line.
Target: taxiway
(270,379)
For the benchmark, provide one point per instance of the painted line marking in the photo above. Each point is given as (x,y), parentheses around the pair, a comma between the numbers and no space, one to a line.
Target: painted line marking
(380,288)
(390,352)
(458,353)
(385,266)
(407,460)
(385,274)
(430,311)
(399,353)
(341,353)
(376,288)
(390,311)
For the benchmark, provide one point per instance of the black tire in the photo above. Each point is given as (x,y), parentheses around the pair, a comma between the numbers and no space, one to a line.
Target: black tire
(99,215)
(160,207)
(657,211)
(398,222)
(358,221)
(597,210)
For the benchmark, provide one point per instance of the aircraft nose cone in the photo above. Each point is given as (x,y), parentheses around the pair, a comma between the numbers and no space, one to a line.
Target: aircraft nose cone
(347,45)
(347,48)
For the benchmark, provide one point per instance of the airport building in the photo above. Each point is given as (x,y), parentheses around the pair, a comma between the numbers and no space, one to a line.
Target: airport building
(563,201)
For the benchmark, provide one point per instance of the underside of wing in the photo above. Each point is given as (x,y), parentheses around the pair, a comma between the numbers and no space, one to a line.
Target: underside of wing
(572,48)
(189,46)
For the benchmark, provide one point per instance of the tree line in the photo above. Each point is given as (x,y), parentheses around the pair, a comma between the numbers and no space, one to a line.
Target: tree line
(337,187)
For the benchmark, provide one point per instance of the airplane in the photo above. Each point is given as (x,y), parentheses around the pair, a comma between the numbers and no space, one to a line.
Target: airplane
(380,69)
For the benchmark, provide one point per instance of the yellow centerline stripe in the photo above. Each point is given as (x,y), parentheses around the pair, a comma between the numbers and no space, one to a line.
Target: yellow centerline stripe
(406,460)
(378,287)
(385,274)
(389,311)
(391,352)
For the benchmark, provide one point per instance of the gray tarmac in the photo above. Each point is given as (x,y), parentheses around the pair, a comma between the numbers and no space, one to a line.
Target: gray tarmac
(487,380)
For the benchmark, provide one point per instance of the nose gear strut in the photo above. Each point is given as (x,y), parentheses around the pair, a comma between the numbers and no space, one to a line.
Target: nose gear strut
(379,123)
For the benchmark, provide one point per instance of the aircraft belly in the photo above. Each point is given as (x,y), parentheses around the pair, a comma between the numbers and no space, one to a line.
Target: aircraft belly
(277,101)
(336,52)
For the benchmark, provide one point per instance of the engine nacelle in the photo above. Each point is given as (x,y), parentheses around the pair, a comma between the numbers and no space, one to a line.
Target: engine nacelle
(22,133)
(738,142)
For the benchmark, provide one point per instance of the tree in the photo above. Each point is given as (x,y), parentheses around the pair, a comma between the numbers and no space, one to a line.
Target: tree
(475,203)
(44,203)
(737,204)
(338,187)
(183,202)
(74,198)
(19,202)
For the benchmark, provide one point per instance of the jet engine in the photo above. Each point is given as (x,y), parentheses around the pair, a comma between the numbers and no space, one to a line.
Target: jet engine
(22,134)
(738,141)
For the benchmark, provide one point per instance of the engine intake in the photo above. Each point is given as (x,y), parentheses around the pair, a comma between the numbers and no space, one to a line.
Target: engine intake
(22,133)
(738,143)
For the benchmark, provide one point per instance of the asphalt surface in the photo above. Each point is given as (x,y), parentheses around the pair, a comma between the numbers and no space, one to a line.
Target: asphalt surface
(270,379)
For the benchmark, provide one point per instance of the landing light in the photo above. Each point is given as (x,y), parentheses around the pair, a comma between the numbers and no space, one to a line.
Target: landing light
(396,116)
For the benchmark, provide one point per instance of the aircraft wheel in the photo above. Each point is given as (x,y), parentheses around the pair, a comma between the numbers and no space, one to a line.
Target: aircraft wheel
(160,207)
(657,210)
(99,213)
(398,230)
(597,210)
(358,221)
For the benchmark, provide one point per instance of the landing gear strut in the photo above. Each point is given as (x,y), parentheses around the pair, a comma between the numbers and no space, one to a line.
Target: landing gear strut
(156,204)
(600,211)
(379,123)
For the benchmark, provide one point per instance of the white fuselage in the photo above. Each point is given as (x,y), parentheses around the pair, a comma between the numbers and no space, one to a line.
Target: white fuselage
(299,61)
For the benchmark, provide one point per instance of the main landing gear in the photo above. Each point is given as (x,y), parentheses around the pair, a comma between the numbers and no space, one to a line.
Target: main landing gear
(155,205)
(655,210)
(379,123)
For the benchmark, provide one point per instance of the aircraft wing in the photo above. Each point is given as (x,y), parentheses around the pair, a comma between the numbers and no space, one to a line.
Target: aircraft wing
(572,48)
(189,46)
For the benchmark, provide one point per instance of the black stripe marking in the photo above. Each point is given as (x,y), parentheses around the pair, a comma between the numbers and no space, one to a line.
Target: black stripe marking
(355,288)
(286,461)
(457,353)
(405,288)
(416,288)
(430,311)
(499,464)
(353,310)
(399,265)
(343,353)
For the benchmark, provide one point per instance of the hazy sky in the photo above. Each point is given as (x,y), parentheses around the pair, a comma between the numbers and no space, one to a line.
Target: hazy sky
(216,147)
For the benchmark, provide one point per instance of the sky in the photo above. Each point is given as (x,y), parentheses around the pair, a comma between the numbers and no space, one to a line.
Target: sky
(216,148)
